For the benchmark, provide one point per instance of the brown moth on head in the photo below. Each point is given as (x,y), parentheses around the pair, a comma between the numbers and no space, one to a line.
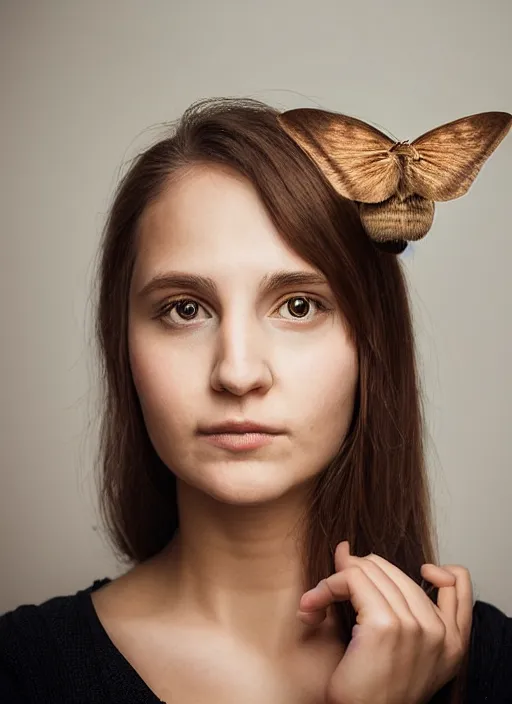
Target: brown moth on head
(396,183)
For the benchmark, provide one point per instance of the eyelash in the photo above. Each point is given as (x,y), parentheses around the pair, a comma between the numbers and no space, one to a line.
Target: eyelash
(172,303)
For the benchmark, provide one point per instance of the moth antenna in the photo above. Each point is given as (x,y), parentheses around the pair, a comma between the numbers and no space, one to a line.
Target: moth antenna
(379,127)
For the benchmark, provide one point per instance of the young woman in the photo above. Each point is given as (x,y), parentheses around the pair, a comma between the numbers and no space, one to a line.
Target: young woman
(261,460)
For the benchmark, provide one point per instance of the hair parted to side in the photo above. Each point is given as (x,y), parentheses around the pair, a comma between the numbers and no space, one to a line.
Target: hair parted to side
(375,492)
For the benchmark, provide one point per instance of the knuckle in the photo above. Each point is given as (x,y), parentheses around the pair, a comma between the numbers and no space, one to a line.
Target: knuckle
(388,624)
(411,627)
(327,583)
(436,635)
(353,570)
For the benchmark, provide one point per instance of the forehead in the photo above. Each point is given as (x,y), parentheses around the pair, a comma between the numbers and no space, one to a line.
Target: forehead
(211,219)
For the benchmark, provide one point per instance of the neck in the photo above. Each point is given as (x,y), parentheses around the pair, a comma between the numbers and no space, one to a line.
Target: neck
(240,567)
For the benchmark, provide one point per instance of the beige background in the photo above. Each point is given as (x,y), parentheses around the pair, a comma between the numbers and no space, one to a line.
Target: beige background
(81,83)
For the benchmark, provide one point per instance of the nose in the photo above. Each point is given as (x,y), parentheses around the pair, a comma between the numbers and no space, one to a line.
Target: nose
(242,361)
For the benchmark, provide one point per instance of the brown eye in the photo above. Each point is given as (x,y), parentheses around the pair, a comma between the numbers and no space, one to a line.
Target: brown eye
(186,308)
(176,313)
(298,306)
(181,309)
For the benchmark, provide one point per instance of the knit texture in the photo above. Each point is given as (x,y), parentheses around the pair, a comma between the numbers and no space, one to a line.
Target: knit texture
(58,652)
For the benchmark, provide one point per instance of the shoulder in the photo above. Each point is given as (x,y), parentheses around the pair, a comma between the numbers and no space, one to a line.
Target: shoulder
(38,643)
(490,661)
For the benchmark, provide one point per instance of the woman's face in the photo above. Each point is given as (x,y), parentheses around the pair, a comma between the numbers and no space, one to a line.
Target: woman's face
(236,350)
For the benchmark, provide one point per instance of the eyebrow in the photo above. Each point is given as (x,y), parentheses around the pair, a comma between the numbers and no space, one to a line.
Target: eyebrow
(207,286)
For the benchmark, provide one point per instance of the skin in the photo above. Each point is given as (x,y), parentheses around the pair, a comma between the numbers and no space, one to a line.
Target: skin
(237,558)
(232,578)
(415,646)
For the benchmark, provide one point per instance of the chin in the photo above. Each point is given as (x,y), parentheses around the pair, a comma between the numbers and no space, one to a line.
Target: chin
(245,484)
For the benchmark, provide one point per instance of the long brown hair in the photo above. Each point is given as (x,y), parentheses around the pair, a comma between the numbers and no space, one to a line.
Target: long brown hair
(375,492)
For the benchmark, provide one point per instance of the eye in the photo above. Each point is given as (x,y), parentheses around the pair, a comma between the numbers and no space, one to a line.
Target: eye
(186,309)
(298,306)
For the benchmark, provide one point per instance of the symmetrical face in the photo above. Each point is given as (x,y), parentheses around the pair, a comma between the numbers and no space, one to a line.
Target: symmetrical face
(236,347)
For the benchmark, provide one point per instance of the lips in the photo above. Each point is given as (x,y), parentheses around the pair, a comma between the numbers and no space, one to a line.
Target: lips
(239,427)
(239,442)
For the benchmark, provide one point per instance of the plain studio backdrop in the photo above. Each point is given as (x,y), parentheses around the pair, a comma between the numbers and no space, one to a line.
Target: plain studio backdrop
(86,84)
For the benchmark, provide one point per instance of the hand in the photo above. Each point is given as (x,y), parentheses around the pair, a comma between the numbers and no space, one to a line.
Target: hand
(404,647)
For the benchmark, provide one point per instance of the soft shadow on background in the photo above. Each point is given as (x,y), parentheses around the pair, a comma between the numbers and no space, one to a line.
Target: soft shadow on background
(85,85)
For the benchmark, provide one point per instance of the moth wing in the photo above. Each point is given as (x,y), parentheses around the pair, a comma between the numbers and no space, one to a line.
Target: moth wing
(452,155)
(353,155)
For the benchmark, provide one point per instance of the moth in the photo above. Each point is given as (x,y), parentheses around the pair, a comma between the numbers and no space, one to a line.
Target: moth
(396,184)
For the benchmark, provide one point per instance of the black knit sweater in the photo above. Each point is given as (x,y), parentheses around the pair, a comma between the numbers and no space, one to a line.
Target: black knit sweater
(58,652)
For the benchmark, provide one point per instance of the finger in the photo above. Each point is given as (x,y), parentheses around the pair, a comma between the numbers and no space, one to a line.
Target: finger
(441,577)
(418,603)
(465,602)
(387,586)
(446,607)
(312,618)
(437,575)
(341,555)
(315,617)
(350,585)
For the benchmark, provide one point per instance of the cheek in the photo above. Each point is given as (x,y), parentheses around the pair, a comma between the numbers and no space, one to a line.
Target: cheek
(326,394)
(164,386)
